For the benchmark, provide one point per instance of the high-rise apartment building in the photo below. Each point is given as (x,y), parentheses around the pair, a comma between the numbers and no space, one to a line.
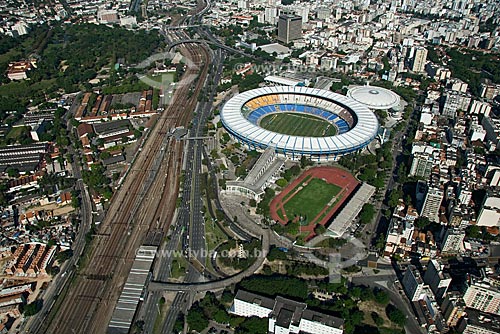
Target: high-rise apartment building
(453,241)
(432,203)
(289,28)
(438,281)
(422,165)
(483,298)
(419,58)
(412,282)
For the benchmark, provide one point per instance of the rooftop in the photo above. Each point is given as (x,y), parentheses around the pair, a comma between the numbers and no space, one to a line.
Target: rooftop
(374,97)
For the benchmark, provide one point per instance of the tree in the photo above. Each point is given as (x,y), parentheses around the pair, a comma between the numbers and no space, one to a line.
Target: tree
(395,315)
(276,254)
(381,297)
(33,308)
(422,222)
(402,173)
(74,122)
(304,162)
(282,285)
(64,255)
(378,320)
(13,172)
(367,213)
(473,231)
(394,197)
(105,155)
(281,182)
(253,325)
(319,229)
(195,318)
(380,244)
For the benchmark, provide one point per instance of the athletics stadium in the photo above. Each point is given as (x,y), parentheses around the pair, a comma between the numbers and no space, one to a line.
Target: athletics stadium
(299,121)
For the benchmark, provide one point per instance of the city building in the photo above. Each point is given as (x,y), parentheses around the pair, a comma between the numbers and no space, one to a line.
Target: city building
(24,158)
(412,282)
(438,281)
(31,260)
(323,13)
(453,241)
(475,322)
(489,215)
(418,61)
(432,203)
(483,297)
(453,308)
(289,28)
(480,108)
(265,171)
(18,70)
(455,101)
(285,315)
(492,127)
(421,165)
(345,218)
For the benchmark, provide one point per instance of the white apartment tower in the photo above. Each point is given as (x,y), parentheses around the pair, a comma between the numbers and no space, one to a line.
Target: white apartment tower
(419,58)
(483,298)
(432,203)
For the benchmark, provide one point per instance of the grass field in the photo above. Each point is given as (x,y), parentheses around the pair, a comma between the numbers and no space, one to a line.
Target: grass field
(311,199)
(298,125)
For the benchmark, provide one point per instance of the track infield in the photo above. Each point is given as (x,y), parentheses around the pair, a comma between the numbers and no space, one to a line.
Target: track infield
(295,124)
(316,195)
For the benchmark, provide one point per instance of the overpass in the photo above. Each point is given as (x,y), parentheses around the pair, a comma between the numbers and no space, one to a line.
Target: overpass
(185,26)
(217,44)
(218,284)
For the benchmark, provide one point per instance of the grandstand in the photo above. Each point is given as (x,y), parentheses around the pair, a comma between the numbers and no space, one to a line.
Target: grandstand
(356,126)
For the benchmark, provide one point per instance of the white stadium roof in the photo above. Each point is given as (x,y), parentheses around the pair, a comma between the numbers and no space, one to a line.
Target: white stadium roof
(363,132)
(374,97)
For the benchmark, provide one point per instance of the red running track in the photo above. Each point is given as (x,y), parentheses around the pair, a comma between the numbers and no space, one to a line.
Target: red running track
(333,175)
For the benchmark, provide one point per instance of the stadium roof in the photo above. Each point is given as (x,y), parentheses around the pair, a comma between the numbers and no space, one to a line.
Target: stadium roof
(374,97)
(359,136)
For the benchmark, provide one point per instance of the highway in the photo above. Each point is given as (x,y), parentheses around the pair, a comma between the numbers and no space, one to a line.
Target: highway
(189,229)
(218,284)
(190,223)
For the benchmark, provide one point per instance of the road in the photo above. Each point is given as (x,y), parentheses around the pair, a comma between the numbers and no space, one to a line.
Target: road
(219,284)
(191,220)
(189,229)
(67,268)
(397,143)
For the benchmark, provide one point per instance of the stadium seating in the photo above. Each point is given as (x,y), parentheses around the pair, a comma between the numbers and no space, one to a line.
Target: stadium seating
(275,99)
(342,125)
(332,112)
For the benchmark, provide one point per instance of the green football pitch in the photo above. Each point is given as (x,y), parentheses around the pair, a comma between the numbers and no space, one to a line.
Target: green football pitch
(298,125)
(311,199)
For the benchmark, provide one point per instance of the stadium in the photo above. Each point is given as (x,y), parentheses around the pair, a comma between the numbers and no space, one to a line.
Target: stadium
(299,121)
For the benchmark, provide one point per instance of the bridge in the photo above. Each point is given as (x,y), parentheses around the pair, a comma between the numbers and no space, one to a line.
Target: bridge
(217,44)
(218,284)
(185,26)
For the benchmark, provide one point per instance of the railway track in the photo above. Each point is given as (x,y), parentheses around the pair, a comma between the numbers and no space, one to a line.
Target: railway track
(145,201)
